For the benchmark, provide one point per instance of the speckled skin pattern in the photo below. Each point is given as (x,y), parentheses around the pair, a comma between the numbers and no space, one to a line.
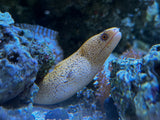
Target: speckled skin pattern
(78,70)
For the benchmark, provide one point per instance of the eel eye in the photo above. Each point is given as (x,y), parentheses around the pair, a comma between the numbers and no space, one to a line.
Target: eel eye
(104,36)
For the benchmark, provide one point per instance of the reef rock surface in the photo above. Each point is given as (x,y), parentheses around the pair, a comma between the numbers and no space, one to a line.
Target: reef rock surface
(24,54)
(136,86)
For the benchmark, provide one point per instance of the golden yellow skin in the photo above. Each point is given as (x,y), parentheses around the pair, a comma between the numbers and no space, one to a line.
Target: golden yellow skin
(78,70)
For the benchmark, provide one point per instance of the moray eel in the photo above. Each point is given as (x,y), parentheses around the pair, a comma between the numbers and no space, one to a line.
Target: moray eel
(78,70)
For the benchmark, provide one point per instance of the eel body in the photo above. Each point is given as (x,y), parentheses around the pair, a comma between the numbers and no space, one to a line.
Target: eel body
(78,70)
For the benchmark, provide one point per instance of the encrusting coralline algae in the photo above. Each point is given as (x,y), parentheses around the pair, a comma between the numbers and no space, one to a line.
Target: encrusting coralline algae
(24,53)
(136,86)
(17,67)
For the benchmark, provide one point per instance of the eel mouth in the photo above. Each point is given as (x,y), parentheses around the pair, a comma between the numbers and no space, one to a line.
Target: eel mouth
(116,36)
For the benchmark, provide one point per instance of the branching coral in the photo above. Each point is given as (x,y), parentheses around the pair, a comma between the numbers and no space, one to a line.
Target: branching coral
(132,53)
(103,87)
